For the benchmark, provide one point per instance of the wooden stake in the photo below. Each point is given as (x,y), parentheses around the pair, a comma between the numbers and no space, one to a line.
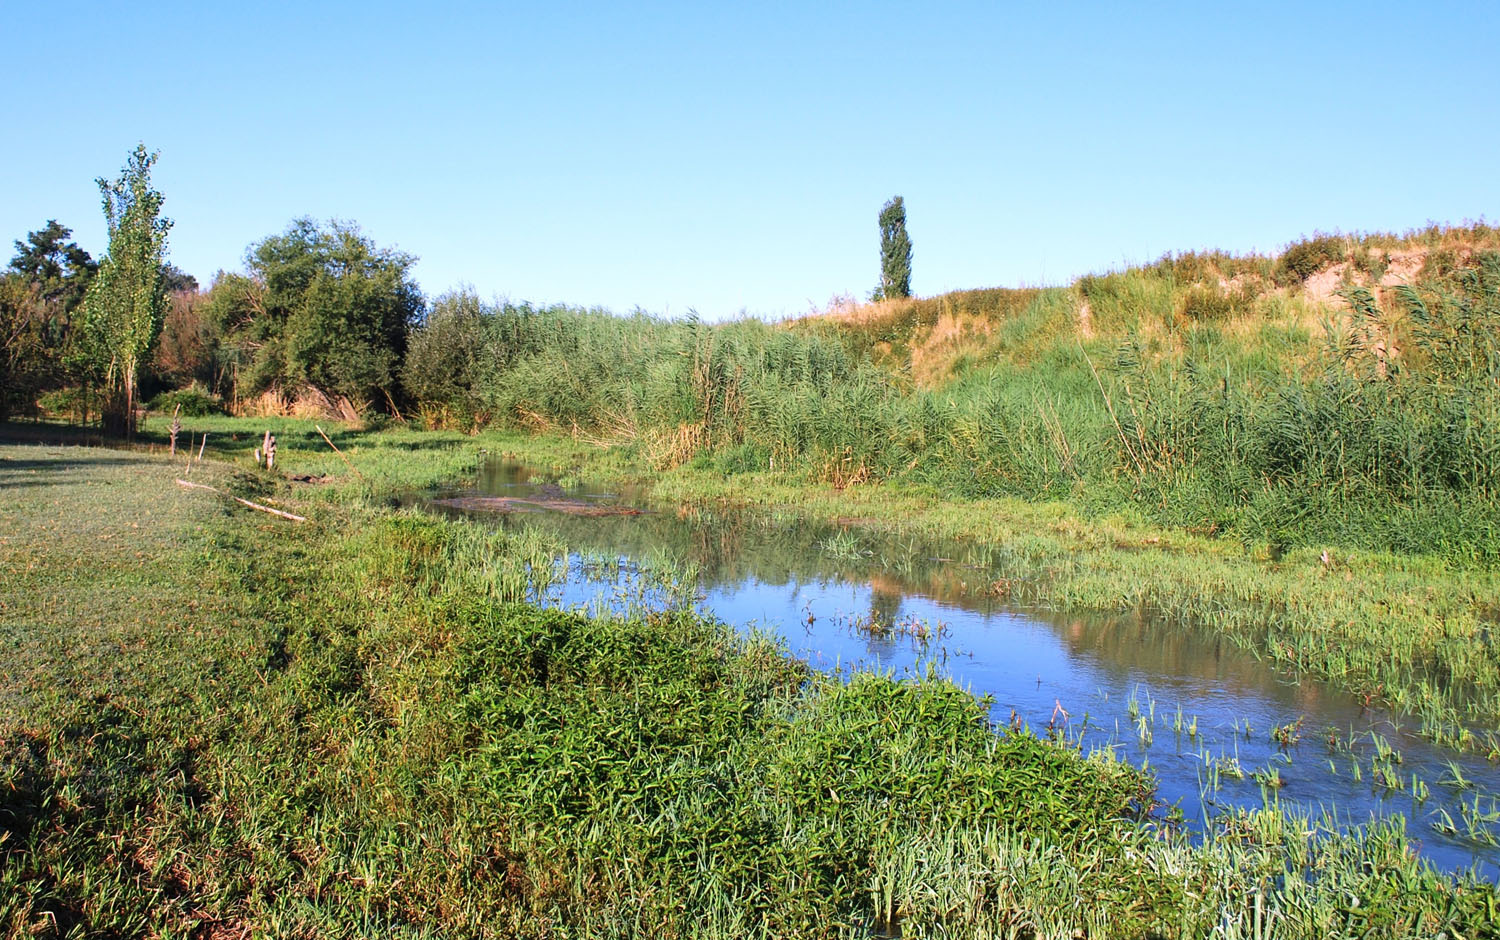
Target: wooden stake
(340,453)
(176,427)
(244,502)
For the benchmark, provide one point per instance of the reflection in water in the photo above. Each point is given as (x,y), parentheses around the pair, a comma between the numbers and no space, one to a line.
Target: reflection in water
(1181,701)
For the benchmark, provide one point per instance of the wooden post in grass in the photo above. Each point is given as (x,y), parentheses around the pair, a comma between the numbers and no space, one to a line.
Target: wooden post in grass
(266,452)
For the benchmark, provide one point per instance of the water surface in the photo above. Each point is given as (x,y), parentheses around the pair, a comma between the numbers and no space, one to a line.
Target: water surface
(1199,712)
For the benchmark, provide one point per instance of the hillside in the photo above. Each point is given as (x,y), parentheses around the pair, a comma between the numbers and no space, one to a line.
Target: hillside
(1179,299)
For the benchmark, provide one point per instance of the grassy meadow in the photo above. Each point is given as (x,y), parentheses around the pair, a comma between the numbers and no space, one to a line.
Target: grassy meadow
(227,724)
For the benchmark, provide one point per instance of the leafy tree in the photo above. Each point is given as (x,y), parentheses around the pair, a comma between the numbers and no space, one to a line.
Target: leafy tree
(22,359)
(188,347)
(126,301)
(895,252)
(39,292)
(179,281)
(325,308)
(58,267)
(187,351)
(247,346)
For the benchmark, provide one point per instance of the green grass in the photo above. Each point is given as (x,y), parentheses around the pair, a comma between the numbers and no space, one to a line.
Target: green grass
(226,724)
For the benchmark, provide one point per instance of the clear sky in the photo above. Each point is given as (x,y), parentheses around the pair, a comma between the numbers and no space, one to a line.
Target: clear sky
(727,157)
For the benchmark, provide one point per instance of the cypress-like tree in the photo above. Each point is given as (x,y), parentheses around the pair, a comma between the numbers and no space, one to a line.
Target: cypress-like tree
(127,298)
(895,252)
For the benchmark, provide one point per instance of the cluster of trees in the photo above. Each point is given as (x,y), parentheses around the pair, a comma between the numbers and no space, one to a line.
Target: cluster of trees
(317,307)
(320,307)
(40,295)
(67,320)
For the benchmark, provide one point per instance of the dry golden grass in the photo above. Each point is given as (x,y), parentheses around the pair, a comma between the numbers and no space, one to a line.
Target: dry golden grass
(667,449)
(953,335)
(305,402)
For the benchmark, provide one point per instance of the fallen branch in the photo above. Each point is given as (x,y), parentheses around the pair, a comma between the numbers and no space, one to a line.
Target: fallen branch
(243,502)
(340,453)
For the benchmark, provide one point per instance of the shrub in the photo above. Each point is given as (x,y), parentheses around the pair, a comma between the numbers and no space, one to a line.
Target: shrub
(1303,259)
(1207,303)
(196,402)
(446,360)
(74,403)
(1439,265)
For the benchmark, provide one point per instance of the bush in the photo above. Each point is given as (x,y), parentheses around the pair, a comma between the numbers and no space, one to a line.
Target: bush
(445,360)
(73,403)
(196,402)
(1439,265)
(1207,303)
(1303,259)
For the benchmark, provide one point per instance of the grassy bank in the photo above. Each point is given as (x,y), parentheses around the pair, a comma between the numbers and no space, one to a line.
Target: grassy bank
(1343,393)
(227,725)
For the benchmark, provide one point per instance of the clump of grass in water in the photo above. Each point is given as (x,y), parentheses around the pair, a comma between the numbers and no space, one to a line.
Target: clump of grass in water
(1480,823)
(1269,778)
(677,580)
(843,545)
(918,630)
(1229,767)
(1419,789)
(1287,735)
(1143,730)
(601,567)
(1456,777)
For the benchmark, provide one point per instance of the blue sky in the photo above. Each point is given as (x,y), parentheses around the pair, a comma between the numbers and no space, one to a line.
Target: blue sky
(725,157)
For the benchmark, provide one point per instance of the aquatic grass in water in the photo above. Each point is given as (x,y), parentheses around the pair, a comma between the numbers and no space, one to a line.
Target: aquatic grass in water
(918,630)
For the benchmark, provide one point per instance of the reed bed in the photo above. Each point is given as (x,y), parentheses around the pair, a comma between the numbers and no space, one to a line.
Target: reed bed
(1202,395)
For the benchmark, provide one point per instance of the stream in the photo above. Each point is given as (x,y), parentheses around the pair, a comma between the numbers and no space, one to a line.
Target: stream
(1218,727)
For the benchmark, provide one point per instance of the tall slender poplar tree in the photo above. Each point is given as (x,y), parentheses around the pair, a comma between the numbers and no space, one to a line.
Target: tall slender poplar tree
(127,299)
(895,252)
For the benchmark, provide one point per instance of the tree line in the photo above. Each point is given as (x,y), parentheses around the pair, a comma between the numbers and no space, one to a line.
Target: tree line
(317,308)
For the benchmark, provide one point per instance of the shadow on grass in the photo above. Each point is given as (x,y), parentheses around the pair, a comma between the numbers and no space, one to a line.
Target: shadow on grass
(52,432)
(60,462)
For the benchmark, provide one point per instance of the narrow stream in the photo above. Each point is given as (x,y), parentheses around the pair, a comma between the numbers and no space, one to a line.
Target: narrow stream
(1200,713)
